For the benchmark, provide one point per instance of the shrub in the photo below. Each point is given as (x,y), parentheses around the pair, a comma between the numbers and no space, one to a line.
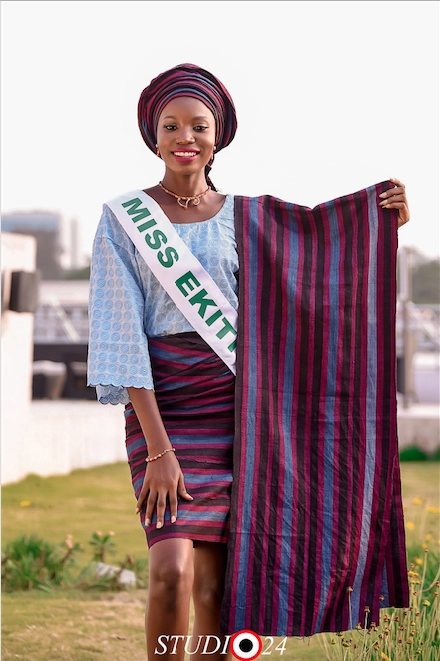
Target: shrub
(31,562)
(413,454)
(102,544)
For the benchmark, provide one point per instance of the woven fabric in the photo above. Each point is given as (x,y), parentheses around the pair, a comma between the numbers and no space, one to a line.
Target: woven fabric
(195,395)
(316,534)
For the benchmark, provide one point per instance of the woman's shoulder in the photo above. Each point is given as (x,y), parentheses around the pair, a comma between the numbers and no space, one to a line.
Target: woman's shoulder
(227,210)
(111,229)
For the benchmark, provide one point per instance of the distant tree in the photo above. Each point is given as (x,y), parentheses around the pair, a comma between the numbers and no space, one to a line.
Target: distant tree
(426,282)
(77,274)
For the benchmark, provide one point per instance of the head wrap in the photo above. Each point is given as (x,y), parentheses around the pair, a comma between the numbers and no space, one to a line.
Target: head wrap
(187,80)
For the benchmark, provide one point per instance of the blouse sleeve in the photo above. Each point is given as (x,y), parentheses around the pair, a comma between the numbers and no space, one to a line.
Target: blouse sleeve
(118,345)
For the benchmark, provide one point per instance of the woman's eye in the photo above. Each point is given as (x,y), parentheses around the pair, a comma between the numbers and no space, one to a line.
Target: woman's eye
(200,128)
(170,127)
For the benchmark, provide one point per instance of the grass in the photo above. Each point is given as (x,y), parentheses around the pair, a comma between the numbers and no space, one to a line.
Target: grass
(78,626)
(78,504)
(73,626)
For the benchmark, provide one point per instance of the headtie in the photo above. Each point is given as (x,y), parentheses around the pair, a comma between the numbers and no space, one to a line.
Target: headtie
(187,80)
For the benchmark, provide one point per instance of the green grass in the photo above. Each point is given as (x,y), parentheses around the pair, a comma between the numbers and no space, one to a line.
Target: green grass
(77,504)
(79,626)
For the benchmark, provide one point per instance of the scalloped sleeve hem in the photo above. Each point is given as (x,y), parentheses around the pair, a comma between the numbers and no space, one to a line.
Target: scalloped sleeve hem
(110,394)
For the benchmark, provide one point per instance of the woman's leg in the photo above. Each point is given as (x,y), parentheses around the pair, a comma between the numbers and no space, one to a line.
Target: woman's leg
(167,614)
(209,579)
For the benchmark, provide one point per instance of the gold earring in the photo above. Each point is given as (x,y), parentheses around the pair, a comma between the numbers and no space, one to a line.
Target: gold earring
(158,152)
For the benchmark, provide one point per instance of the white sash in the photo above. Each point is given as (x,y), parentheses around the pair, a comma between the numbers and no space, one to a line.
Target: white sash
(180,273)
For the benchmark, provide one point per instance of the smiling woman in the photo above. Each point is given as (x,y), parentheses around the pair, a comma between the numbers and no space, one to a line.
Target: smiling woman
(299,390)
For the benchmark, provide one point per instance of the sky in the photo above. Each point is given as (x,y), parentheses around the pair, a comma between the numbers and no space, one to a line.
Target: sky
(331,97)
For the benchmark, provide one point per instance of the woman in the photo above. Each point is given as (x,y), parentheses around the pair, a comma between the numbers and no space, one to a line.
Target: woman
(179,407)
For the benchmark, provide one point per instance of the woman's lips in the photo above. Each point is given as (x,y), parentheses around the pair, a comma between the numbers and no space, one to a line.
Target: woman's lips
(185,156)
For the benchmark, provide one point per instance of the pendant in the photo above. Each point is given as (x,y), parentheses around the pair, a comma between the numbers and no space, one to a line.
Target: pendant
(185,203)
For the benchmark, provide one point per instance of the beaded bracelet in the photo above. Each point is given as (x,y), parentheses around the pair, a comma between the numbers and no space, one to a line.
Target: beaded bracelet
(161,454)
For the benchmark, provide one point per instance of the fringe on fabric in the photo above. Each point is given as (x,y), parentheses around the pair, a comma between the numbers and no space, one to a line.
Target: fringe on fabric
(316,535)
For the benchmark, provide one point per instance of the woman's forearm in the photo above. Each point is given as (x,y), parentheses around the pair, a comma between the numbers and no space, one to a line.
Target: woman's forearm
(145,406)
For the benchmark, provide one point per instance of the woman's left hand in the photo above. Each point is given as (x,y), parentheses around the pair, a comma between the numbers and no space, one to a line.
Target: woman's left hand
(395,198)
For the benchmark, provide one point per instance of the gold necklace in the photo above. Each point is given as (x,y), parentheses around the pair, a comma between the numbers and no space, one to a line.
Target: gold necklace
(184,200)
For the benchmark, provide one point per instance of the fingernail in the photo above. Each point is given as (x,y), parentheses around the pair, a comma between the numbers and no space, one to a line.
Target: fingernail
(137,510)
(159,524)
(383,195)
(173,519)
(147,522)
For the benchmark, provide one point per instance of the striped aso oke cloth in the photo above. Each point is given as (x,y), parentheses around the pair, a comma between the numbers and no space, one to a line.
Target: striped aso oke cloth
(316,532)
(195,395)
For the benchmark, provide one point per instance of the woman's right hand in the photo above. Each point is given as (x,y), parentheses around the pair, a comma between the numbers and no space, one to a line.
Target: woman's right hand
(163,482)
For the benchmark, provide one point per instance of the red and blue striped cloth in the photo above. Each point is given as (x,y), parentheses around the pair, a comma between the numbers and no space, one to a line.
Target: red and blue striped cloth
(195,396)
(316,536)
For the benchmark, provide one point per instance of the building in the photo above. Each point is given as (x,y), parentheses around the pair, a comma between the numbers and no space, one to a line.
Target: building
(45,227)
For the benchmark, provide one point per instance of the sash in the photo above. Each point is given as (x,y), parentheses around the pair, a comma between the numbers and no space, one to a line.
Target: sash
(179,272)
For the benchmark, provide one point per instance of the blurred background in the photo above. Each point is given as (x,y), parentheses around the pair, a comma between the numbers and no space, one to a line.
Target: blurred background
(331,97)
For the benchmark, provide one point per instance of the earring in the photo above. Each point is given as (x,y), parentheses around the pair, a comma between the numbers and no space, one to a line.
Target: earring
(158,152)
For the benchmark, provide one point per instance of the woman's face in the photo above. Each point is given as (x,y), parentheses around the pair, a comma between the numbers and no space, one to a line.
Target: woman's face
(186,135)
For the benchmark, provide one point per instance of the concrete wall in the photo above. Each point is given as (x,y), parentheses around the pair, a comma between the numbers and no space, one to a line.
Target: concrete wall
(66,434)
(419,426)
(62,435)
(18,253)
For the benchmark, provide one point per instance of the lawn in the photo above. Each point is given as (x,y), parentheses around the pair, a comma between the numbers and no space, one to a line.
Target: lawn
(78,626)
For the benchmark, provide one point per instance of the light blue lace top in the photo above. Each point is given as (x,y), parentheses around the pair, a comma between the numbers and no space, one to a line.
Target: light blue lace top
(127,303)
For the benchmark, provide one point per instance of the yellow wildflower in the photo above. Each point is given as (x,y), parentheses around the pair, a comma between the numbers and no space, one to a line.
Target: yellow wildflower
(428,537)
(433,510)
(384,656)
(417,501)
(410,525)
(419,561)
(25,503)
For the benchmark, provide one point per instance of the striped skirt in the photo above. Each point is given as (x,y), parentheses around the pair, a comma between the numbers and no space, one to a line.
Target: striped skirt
(195,394)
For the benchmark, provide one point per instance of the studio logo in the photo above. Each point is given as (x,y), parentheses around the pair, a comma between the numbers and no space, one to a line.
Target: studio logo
(246,645)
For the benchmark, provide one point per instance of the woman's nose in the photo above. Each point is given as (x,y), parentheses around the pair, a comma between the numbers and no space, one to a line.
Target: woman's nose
(184,136)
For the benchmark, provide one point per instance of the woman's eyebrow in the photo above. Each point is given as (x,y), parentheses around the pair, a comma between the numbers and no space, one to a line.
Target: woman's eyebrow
(198,117)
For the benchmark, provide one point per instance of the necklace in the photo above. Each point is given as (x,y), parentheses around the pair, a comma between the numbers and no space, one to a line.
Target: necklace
(184,200)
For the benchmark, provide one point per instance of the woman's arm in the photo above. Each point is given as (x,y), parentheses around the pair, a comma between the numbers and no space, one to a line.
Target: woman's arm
(163,477)
(395,198)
